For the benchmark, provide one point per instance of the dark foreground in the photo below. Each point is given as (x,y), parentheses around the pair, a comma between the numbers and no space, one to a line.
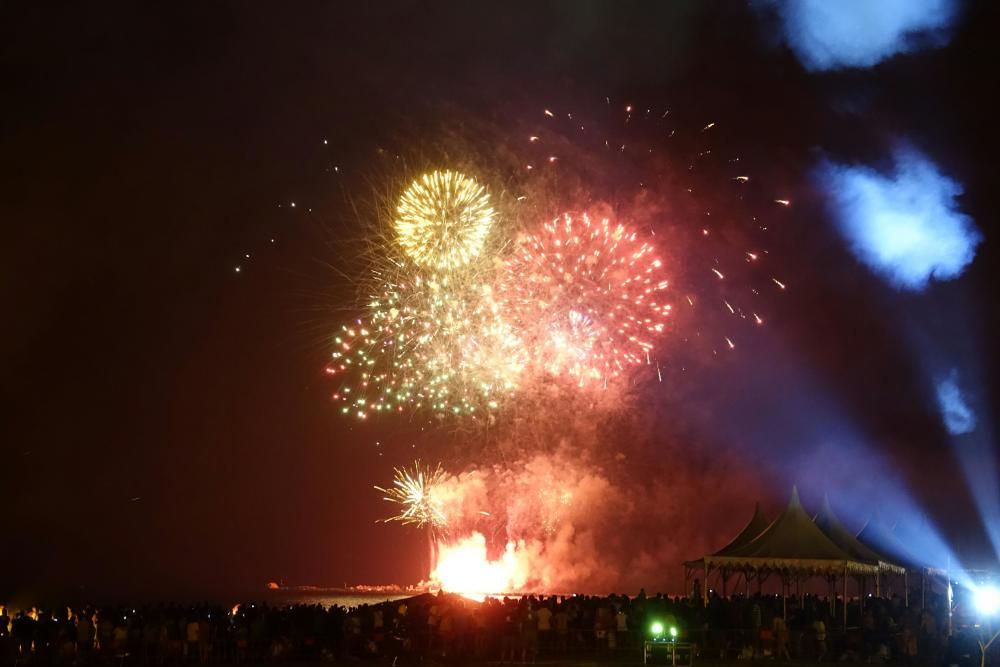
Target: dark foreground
(451,630)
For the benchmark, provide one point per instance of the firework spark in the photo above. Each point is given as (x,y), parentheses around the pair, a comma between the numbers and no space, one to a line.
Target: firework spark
(443,219)
(413,489)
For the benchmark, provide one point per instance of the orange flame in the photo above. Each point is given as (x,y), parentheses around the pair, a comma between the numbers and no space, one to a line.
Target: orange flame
(463,567)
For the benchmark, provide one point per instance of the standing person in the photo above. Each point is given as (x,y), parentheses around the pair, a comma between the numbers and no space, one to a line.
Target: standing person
(755,627)
(796,632)
(819,629)
(529,634)
(433,619)
(868,633)
(780,638)
(561,619)
(621,627)
(509,633)
(479,632)
(446,630)
(909,641)
(119,636)
(84,635)
(4,634)
(544,615)
(204,638)
(191,634)
(151,628)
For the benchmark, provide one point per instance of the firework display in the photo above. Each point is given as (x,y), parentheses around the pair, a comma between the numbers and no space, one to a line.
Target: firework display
(519,311)
(578,299)
(475,302)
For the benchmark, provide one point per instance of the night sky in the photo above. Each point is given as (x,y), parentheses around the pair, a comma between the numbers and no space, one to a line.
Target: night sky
(166,424)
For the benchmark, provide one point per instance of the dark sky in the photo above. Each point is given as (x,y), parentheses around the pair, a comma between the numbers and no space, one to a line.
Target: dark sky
(165,422)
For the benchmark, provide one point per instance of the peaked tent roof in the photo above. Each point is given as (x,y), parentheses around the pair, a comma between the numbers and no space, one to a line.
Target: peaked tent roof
(758,524)
(792,542)
(831,526)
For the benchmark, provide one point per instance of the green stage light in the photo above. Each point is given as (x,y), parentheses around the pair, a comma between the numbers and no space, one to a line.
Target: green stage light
(657,629)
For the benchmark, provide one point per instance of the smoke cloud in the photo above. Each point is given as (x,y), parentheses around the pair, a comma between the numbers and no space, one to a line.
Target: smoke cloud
(838,34)
(906,225)
(559,522)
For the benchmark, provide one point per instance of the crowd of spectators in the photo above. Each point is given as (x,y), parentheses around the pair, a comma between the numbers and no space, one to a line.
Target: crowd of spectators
(452,628)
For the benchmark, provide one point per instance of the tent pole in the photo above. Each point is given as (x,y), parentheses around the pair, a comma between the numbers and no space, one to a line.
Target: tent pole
(906,590)
(923,589)
(845,598)
(704,587)
(784,603)
(951,603)
(724,573)
(878,583)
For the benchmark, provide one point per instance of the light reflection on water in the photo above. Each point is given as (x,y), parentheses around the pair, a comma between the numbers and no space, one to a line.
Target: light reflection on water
(328,598)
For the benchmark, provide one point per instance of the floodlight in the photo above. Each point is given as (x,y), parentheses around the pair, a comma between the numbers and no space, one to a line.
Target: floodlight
(986,600)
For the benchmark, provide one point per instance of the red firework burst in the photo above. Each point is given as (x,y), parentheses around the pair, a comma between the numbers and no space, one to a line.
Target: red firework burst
(586,296)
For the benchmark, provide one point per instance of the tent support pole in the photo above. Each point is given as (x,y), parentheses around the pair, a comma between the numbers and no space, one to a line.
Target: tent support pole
(784,602)
(704,587)
(951,603)
(906,590)
(878,583)
(845,598)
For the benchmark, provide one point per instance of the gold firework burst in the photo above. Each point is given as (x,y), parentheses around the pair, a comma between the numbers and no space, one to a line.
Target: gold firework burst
(413,489)
(443,220)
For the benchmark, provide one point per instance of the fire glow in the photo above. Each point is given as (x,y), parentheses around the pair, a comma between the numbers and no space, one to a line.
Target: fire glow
(464,567)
